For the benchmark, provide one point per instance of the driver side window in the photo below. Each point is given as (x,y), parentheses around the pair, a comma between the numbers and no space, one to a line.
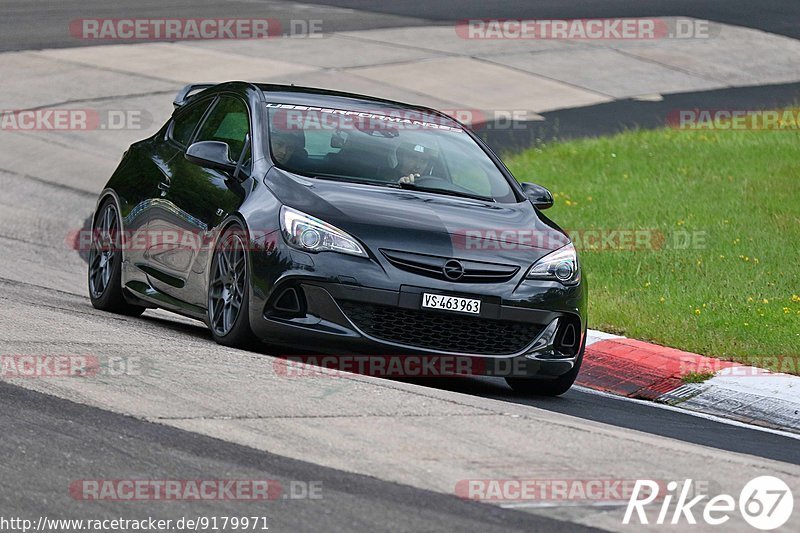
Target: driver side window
(229,122)
(185,123)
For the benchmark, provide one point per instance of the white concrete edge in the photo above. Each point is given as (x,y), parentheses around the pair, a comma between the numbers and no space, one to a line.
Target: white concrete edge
(593,336)
(765,396)
(691,412)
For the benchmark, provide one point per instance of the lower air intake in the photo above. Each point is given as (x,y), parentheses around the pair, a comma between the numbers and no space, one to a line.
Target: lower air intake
(430,330)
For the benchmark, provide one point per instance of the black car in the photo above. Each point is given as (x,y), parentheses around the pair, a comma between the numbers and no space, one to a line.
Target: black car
(337,223)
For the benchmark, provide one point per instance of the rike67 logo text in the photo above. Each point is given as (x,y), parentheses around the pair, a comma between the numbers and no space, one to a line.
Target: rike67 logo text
(765,503)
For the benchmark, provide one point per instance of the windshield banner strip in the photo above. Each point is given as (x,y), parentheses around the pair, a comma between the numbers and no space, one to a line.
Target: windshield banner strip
(397,118)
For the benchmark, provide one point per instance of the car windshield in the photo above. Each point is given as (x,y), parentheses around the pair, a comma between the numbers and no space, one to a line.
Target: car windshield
(411,150)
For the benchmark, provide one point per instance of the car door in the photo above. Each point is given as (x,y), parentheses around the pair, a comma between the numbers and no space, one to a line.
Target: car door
(154,170)
(195,201)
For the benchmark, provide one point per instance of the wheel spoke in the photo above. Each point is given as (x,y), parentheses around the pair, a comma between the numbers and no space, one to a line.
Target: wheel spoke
(98,281)
(93,274)
(240,253)
(107,223)
(226,311)
(112,234)
(106,275)
(224,265)
(104,223)
(94,259)
(216,313)
(239,264)
(100,230)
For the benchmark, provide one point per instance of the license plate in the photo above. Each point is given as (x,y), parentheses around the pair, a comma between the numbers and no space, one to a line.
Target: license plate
(451,303)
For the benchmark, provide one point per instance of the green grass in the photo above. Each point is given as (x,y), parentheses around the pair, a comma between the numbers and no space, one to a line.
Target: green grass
(697,377)
(737,295)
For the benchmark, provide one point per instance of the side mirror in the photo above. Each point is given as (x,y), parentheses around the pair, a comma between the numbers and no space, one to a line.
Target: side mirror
(538,195)
(211,154)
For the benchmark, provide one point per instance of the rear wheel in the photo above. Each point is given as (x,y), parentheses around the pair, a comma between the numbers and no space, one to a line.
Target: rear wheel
(550,387)
(228,299)
(105,263)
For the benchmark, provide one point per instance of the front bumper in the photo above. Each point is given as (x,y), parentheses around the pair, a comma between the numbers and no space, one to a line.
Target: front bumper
(322,325)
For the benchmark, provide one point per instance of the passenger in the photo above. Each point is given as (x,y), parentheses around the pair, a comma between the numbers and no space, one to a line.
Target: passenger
(288,147)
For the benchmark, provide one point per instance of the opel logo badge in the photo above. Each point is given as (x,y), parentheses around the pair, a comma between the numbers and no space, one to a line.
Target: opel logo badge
(453,270)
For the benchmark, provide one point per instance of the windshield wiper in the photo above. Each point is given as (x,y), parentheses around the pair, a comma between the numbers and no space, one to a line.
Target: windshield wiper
(415,187)
(351,179)
(409,186)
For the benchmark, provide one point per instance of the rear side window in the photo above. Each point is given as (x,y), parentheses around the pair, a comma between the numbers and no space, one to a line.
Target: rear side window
(228,122)
(186,122)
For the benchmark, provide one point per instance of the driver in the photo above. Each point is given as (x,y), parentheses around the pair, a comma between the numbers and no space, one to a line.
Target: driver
(412,160)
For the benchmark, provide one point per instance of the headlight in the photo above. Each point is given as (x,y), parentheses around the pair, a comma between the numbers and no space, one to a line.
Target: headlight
(313,235)
(561,265)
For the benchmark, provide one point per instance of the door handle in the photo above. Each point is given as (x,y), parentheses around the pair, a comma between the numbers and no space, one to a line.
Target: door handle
(163,186)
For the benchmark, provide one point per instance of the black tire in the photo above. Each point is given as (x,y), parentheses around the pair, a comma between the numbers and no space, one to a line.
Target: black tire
(550,387)
(105,263)
(228,313)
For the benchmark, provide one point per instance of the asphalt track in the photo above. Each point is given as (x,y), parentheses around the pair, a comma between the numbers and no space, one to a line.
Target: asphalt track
(629,114)
(50,438)
(54,433)
(775,16)
(32,24)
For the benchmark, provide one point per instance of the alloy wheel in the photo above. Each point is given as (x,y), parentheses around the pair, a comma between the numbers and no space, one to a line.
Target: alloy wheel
(103,250)
(227,285)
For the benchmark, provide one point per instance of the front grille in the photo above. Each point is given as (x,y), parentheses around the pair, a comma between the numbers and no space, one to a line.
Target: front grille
(431,330)
(433,267)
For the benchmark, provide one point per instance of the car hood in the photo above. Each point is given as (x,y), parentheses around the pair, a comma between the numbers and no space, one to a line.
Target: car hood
(422,222)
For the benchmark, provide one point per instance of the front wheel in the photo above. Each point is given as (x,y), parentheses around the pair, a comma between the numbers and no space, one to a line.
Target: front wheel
(105,263)
(228,299)
(550,387)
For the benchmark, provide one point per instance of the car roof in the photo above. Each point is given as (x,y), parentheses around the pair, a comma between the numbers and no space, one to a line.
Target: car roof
(326,98)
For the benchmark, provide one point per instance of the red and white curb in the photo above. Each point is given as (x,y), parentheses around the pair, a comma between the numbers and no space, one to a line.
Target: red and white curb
(641,370)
